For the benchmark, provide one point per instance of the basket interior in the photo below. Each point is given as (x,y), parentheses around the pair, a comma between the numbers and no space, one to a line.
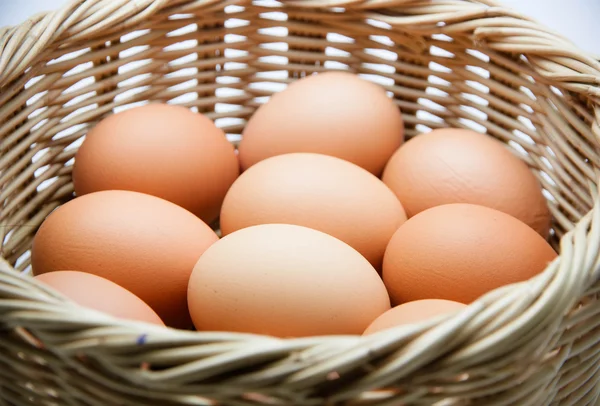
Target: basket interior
(224,59)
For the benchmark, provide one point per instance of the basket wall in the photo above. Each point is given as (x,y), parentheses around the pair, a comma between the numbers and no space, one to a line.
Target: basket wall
(458,63)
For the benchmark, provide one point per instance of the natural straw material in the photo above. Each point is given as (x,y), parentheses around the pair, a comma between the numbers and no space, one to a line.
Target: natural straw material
(460,63)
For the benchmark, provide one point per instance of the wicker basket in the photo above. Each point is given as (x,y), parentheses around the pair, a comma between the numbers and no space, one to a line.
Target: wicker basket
(446,62)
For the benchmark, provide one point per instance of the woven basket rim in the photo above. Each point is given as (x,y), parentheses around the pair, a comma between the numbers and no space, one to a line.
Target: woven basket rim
(35,32)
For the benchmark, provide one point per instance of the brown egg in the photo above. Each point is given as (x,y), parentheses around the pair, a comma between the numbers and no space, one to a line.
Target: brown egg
(413,312)
(287,281)
(143,243)
(461,166)
(459,252)
(320,192)
(100,294)
(333,113)
(162,150)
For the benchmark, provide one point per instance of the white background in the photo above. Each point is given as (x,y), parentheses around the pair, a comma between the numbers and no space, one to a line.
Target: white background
(578,20)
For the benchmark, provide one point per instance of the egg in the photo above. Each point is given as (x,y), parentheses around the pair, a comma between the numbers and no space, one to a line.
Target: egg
(413,312)
(459,252)
(317,191)
(286,281)
(143,243)
(461,166)
(162,150)
(333,113)
(99,293)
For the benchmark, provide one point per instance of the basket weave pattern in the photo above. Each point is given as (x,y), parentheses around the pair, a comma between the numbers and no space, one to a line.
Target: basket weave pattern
(459,63)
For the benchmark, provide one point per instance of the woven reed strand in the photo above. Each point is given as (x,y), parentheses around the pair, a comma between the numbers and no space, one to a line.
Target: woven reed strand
(446,63)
